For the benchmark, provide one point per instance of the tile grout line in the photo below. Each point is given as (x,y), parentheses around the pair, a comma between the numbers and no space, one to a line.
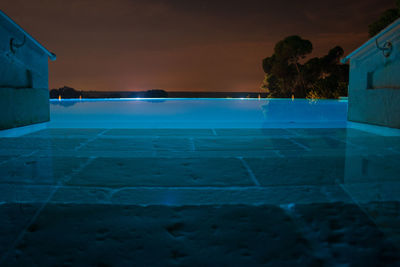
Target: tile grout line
(249,171)
(44,204)
(33,219)
(67,178)
(91,140)
(300,144)
(19,157)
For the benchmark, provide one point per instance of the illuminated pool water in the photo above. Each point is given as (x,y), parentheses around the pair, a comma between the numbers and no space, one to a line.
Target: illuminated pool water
(197,113)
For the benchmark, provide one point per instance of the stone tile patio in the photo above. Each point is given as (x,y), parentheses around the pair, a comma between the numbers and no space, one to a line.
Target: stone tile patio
(274,197)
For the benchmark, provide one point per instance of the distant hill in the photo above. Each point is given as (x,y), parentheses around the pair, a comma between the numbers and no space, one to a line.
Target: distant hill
(68,92)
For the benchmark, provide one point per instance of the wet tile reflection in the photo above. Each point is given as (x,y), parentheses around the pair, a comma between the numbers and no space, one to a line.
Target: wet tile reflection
(372,179)
(335,187)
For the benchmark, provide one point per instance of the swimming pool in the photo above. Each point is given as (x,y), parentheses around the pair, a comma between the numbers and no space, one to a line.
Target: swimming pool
(197,113)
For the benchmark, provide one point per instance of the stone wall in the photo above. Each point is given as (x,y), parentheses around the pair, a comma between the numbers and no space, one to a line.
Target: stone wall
(23,80)
(374,88)
(23,106)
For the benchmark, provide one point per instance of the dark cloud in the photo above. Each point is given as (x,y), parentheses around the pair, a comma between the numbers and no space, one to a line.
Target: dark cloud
(181,44)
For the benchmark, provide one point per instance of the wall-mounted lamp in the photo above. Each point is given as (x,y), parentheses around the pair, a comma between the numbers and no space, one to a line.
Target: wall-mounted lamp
(386,48)
(14,46)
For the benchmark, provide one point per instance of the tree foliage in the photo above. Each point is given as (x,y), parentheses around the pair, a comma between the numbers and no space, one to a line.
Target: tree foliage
(65,92)
(292,49)
(388,17)
(283,68)
(319,77)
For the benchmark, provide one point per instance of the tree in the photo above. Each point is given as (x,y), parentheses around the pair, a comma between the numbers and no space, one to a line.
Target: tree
(284,76)
(271,85)
(319,77)
(387,18)
(326,76)
(54,93)
(65,92)
(291,50)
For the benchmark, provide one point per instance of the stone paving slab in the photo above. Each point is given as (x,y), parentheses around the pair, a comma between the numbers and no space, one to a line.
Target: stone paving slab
(4,159)
(122,172)
(65,133)
(293,154)
(174,196)
(14,153)
(270,133)
(161,153)
(372,168)
(217,154)
(97,235)
(159,132)
(386,215)
(345,235)
(170,144)
(14,218)
(185,150)
(250,144)
(197,176)
(348,152)
(320,143)
(25,143)
(127,144)
(340,133)
(374,142)
(297,171)
(323,234)
(133,144)
(340,152)
(373,191)
(197,196)
(82,153)
(183,195)
(38,169)
(24,193)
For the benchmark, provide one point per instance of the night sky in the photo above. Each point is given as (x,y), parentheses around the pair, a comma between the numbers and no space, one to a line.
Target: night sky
(182,45)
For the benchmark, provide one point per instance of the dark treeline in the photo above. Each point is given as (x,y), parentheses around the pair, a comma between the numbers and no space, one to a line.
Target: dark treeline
(288,74)
(68,92)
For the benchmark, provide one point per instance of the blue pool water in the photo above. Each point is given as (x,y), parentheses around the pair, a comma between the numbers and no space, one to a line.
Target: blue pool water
(197,113)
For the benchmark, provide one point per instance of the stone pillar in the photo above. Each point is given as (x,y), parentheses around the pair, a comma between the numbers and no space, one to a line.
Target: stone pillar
(24,93)
(374,88)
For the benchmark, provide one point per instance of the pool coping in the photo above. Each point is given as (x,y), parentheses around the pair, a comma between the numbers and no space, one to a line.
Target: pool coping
(370,128)
(20,131)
